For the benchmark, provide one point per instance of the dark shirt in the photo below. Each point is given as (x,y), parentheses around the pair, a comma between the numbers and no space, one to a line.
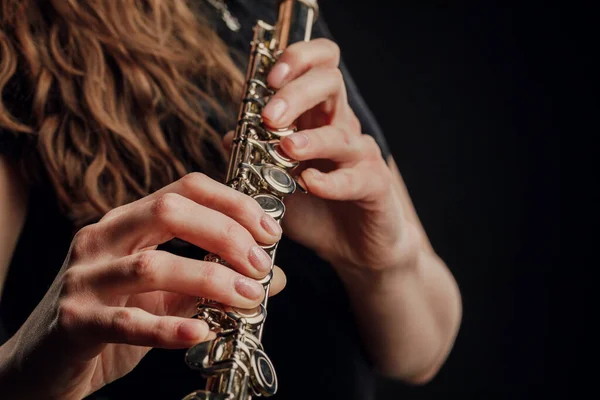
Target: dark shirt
(310,334)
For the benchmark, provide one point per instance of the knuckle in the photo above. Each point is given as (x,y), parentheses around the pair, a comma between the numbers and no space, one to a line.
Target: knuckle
(242,205)
(121,320)
(143,266)
(296,58)
(300,54)
(71,282)
(233,233)
(370,142)
(332,47)
(68,315)
(165,205)
(82,243)
(193,181)
(210,272)
(111,213)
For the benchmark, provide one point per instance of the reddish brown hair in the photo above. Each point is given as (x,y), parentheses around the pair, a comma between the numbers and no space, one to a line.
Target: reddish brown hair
(102,79)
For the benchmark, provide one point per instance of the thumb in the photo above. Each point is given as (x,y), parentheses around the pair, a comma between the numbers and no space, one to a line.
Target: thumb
(227,140)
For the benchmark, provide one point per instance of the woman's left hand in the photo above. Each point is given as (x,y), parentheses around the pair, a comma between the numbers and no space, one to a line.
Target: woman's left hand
(352,215)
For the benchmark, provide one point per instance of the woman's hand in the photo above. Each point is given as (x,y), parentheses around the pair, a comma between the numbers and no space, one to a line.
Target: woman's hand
(116,296)
(359,217)
(352,216)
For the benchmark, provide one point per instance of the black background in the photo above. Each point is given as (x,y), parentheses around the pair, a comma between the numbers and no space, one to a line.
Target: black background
(466,97)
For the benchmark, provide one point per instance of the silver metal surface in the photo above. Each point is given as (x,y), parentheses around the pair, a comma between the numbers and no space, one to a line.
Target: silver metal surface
(271,149)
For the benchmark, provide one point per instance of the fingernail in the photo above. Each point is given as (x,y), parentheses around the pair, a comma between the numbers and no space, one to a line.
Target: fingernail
(299,140)
(192,329)
(270,225)
(248,288)
(260,259)
(274,109)
(279,73)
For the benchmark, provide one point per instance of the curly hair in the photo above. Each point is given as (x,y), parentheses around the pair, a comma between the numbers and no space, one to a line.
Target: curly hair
(113,95)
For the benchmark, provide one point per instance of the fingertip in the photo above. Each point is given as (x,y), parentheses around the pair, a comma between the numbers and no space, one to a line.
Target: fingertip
(278,74)
(312,178)
(274,112)
(252,293)
(192,330)
(287,145)
(278,282)
(228,140)
(271,227)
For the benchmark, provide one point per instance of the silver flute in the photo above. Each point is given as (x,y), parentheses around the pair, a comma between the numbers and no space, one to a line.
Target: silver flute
(235,364)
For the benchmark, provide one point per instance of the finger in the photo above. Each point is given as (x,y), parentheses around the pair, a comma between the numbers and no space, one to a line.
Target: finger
(134,326)
(174,216)
(278,281)
(332,143)
(301,56)
(318,85)
(228,140)
(347,184)
(154,270)
(211,194)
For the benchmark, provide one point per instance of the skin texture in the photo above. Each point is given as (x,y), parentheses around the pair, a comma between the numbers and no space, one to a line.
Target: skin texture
(111,301)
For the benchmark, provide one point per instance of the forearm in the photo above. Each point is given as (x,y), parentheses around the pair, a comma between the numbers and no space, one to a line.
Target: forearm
(29,371)
(7,369)
(408,316)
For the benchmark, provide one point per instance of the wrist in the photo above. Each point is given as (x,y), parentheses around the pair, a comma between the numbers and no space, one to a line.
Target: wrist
(372,279)
(23,376)
(389,263)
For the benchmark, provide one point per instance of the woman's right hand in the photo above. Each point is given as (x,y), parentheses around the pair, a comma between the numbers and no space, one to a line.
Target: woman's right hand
(116,296)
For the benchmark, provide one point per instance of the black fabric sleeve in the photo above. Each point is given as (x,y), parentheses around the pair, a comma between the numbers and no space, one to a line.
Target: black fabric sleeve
(357,102)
